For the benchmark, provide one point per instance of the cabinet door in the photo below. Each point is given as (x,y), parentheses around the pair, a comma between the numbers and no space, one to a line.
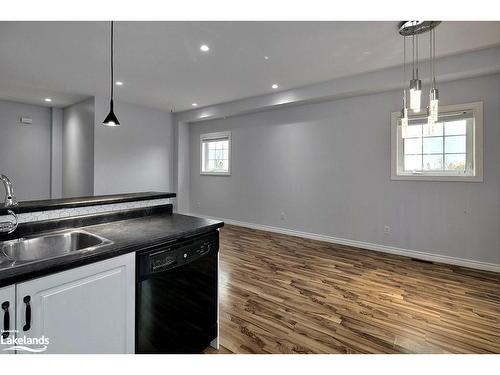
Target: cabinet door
(7,316)
(89,309)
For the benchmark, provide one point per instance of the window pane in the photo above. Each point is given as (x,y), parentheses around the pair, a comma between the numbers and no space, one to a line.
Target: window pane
(433,162)
(218,164)
(455,144)
(455,127)
(433,130)
(211,164)
(413,146)
(414,131)
(455,162)
(413,162)
(221,145)
(211,154)
(433,145)
(211,145)
(219,154)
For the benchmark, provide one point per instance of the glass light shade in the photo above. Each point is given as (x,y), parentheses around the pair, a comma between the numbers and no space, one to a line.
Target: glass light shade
(404,122)
(415,98)
(415,95)
(430,127)
(433,105)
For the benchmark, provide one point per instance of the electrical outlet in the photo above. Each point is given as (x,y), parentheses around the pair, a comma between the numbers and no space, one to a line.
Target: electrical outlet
(387,229)
(283,215)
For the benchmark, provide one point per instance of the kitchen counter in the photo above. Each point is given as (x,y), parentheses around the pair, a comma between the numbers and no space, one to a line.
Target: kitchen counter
(128,235)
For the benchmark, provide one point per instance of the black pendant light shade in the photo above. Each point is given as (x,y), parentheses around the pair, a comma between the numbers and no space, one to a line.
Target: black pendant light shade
(111,119)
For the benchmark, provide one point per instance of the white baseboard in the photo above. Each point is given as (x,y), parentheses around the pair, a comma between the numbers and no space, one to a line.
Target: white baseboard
(366,245)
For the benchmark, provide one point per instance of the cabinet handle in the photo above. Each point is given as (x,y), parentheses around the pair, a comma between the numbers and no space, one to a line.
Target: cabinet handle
(27,300)
(6,319)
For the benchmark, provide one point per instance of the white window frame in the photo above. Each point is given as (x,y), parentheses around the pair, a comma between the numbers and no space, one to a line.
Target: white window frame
(211,137)
(397,172)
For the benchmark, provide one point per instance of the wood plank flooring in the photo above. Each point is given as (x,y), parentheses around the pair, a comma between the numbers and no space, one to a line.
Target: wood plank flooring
(284,294)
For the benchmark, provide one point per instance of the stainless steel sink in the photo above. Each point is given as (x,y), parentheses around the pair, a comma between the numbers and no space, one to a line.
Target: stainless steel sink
(51,245)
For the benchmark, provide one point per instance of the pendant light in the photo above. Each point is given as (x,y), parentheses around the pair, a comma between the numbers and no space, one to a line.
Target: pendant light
(433,93)
(111,119)
(404,109)
(415,83)
(413,29)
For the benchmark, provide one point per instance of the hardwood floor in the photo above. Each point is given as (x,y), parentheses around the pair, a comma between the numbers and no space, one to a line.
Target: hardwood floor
(283,294)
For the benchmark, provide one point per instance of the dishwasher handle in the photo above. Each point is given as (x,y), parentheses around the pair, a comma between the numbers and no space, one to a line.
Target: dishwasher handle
(163,265)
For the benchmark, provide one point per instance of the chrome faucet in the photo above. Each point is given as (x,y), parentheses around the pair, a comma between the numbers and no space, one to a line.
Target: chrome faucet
(10,200)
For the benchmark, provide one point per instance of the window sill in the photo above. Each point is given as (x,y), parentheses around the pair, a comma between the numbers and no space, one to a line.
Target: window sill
(437,178)
(215,173)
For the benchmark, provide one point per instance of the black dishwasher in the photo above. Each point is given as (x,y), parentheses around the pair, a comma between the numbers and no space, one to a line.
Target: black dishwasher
(176,296)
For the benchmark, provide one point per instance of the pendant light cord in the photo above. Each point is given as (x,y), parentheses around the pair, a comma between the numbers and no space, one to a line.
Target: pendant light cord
(112,57)
(413,55)
(404,59)
(416,53)
(434,58)
(404,71)
(431,58)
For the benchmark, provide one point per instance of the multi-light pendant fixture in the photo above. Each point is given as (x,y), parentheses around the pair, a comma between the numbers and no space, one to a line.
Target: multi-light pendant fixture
(413,29)
(111,119)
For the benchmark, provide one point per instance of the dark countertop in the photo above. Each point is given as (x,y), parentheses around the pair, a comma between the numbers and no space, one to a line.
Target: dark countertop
(53,204)
(127,236)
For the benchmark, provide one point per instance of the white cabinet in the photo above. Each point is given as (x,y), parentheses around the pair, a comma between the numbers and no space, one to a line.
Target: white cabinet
(89,309)
(8,314)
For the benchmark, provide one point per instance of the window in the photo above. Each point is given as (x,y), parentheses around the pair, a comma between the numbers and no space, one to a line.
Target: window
(215,150)
(449,150)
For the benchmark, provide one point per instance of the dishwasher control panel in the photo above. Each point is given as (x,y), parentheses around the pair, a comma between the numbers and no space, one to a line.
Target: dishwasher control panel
(201,249)
(163,258)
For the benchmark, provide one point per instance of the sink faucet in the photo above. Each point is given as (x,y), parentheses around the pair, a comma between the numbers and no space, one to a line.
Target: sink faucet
(10,200)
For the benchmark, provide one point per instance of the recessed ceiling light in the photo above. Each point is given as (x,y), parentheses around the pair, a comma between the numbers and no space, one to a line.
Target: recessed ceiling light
(194,104)
(204,48)
(275,86)
(266,57)
(48,99)
(119,83)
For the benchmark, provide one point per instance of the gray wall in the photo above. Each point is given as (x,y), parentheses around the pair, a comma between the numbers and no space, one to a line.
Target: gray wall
(326,166)
(56,153)
(137,156)
(181,165)
(78,150)
(25,149)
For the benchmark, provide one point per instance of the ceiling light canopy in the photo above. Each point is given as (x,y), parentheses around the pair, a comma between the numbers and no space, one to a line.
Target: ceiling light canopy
(194,104)
(275,86)
(111,119)
(48,100)
(204,48)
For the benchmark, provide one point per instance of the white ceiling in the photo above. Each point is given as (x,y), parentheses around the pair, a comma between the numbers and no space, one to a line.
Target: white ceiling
(162,66)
